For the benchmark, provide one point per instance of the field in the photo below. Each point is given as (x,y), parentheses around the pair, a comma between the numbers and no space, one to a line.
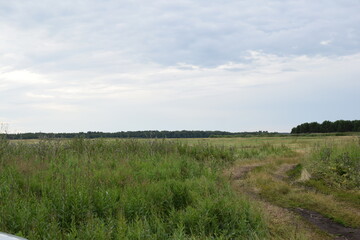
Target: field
(214,188)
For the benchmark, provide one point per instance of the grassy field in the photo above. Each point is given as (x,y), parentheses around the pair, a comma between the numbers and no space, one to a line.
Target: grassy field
(322,176)
(230,188)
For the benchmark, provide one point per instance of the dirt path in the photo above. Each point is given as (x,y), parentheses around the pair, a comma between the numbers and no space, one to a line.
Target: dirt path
(328,225)
(278,214)
(280,173)
(237,173)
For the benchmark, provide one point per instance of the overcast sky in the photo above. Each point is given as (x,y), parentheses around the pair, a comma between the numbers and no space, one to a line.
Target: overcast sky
(235,65)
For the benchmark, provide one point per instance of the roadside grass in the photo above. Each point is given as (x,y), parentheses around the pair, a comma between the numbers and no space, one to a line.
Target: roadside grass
(350,196)
(288,195)
(336,165)
(123,189)
(339,205)
(334,169)
(332,189)
(282,223)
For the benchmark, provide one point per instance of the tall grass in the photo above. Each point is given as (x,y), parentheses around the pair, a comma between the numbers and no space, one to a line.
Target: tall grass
(338,165)
(121,189)
(265,150)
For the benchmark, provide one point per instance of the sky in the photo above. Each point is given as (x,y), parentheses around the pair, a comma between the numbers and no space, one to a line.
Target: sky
(124,65)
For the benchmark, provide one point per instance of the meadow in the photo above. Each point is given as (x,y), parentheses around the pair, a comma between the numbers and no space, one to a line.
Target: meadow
(214,188)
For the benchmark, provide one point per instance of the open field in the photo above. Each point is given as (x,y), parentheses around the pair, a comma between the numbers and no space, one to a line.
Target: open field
(214,188)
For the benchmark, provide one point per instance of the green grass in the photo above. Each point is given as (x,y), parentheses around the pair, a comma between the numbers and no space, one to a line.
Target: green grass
(335,171)
(122,189)
(171,189)
(288,195)
(337,165)
(295,173)
(351,197)
(332,190)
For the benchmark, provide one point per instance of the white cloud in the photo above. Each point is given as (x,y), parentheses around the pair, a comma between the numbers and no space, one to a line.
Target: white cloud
(62,108)
(13,78)
(196,64)
(38,96)
(325,42)
(168,90)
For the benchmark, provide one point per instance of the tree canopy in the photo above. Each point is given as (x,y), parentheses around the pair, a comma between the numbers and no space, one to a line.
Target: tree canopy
(328,127)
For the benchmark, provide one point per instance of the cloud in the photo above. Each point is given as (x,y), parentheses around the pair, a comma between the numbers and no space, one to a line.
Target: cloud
(196,33)
(119,65)
(38,96)
(13,78)
(62,108)
(264,83)
(325,42)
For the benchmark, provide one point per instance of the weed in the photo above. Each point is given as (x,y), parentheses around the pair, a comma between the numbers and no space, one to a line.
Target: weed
(121,189)
(337,165)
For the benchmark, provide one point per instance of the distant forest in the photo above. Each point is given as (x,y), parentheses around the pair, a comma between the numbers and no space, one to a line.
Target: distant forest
(305,128)
(140,134)
(328,127)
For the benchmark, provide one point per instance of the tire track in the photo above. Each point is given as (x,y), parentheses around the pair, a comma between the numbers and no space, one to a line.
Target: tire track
(315,219)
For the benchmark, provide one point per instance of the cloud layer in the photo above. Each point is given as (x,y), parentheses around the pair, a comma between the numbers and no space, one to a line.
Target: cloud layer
(133,65)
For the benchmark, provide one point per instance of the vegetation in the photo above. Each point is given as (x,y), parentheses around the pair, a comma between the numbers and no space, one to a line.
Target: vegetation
(335,171)
(251,134)
(316,179)
(213,188)
(141,134)
(337,164)
(121,189)
(328,127)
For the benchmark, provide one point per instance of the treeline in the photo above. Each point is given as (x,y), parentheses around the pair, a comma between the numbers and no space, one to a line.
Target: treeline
(128,134)
(328,127)
(140,134)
